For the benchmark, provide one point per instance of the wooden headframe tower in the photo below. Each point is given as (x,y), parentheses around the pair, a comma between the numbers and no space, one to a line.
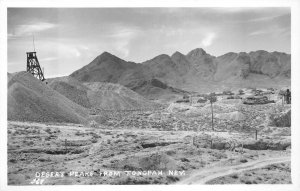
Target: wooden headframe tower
(33,65)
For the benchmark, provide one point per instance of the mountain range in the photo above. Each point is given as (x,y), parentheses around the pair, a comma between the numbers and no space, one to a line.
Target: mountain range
(196,71)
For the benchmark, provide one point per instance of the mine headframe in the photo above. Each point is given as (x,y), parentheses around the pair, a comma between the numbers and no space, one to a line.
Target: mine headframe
(33,66)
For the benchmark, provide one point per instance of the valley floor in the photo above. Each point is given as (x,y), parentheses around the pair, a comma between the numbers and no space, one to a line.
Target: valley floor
(183,157)
(178,144)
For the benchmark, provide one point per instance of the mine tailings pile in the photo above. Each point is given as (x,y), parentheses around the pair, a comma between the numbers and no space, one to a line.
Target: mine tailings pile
(30,99)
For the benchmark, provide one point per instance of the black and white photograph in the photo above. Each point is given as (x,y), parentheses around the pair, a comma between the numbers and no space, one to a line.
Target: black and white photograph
(149,95)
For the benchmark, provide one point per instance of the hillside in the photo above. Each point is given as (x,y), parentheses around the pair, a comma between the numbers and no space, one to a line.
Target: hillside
(155,89)
(241,65)
(29,99)
(72,89)
(109,96)
(204,64)
(105,68)
(101,95)
(109,68)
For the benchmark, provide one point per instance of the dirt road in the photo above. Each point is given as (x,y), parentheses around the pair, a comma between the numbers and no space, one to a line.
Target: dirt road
(205,175)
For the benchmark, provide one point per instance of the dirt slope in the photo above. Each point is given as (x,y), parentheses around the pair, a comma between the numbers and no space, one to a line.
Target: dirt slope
(72,89)
(29,99)
(116,97)
(100,95)
(155,89)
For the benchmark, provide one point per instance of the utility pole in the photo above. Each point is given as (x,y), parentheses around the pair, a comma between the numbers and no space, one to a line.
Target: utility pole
(212,116)
(212,99)
(66,150)
(255,134)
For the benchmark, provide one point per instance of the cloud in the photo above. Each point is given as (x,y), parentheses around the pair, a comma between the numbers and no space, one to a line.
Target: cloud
(262,19)
(48,59)
(208,39)
(274,31)
(11,36)
(63,49)
(122,37)
(68,50)
(29,29)
(259,32)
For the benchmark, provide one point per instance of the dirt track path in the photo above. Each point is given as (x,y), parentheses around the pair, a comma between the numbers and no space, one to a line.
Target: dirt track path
(203,176)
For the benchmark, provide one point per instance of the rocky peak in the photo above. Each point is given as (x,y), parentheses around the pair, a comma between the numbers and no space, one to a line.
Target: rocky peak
(161,57)
(177,56)
(196,52)
(259,53)
(107,55)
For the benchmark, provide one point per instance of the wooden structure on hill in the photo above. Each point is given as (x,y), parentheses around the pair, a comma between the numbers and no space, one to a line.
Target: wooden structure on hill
(33,66)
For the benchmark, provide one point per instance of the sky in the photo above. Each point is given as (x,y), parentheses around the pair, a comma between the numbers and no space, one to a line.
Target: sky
(67,39)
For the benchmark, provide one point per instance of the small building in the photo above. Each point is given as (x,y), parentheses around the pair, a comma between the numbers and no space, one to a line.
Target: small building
(183,101)
(227,93)
(202,100)
(254,100)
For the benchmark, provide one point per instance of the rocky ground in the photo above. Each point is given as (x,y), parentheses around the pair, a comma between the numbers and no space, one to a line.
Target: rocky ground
(271,174)
(171,143)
